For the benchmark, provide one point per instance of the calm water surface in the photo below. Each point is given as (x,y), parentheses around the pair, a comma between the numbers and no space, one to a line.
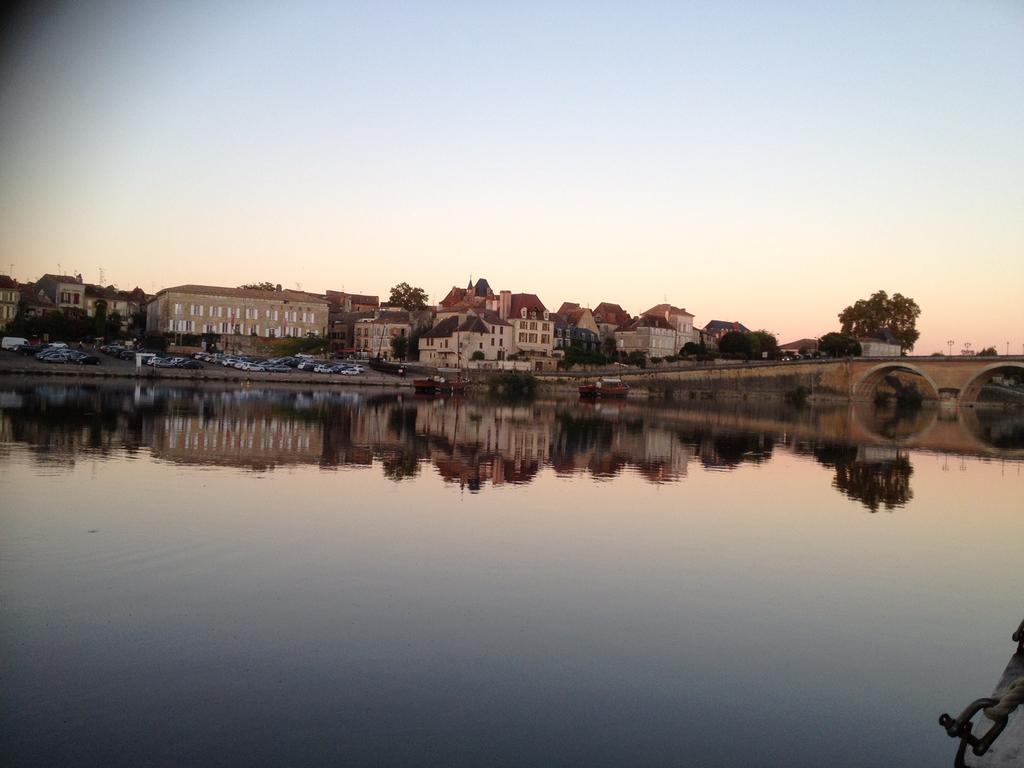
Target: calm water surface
(283,577)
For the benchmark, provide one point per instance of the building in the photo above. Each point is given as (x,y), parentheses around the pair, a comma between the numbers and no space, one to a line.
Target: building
(478,295)
(473,336)
(10,298)
(800,347)
(652,335)
(209,309)
(113,299)
(679,319)
(532,325)
(35,303)
(373,336)
(340,301)
(341,328)
(880,344)
(609,318)
(67,293)
(716,329)
(576,327)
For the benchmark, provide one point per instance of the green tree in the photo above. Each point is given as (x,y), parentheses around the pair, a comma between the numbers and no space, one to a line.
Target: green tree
(477,355)
(100,317)
(405,296)
(761,342)
(734,342)
(897,314)
(264,286)
(693,348)
(987,352)
(609,346)
(399,346)
(839,345)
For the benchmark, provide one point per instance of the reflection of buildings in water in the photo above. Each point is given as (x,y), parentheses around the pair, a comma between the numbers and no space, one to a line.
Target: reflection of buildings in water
(236,438)
(473,442)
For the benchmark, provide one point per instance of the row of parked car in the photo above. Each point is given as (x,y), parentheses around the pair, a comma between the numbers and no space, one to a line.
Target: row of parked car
(280,364)
(58,352)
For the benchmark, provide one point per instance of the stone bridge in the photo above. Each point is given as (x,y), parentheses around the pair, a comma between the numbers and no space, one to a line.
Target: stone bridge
(956,380)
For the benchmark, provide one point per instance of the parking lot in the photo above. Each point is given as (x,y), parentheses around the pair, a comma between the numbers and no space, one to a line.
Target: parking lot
(110,365)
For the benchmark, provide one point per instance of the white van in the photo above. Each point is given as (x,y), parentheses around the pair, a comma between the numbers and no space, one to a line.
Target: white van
(11,342)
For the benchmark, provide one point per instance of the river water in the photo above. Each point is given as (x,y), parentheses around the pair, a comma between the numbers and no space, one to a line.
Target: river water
(205,576)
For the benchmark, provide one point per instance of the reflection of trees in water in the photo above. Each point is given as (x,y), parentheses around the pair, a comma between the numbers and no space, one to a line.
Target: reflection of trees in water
(727,450)
(873,480)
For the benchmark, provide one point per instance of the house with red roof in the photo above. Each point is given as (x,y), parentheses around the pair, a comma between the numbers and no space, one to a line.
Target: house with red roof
(533,326)
(476,335)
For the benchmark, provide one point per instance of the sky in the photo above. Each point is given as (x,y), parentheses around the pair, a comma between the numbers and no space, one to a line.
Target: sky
(766,162)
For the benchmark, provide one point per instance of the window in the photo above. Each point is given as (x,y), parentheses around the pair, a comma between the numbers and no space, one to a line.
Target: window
(544,326)
(522,338)
(533,325)
(533,338)
(544,338)
(77,298)
(177,309)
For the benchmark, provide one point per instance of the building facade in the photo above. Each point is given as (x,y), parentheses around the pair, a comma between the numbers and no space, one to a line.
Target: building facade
(65,291)
(461,338)
(651,335)
(207,309)
(10,297)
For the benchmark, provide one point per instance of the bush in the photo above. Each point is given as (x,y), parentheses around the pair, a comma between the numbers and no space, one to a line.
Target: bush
(478,355)
(637,358)
(655,360)
(575,356)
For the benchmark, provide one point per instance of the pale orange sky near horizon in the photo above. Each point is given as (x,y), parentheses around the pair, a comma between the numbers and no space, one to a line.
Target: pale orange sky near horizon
(768,166)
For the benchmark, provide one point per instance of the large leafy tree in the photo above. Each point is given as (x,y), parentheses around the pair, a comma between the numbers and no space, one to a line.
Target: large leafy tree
(839,345)
(407,297)
(897,314)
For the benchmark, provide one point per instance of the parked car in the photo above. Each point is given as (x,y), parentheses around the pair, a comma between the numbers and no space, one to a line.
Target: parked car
(31,349)
(82,358)
(191,365)
(277,369)
(10,343)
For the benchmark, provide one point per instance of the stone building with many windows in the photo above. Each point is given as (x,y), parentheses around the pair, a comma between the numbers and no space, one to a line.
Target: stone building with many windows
(208,309)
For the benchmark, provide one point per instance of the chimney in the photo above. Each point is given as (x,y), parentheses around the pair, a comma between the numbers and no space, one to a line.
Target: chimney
(505,304)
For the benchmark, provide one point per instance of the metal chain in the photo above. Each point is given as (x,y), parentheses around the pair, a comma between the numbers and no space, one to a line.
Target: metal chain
(997,710)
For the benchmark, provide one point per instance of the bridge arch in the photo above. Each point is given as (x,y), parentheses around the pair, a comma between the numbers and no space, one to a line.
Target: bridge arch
(972,389)
(864,387)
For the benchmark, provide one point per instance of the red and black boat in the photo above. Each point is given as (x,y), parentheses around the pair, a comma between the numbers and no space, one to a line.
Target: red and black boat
(605,387)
